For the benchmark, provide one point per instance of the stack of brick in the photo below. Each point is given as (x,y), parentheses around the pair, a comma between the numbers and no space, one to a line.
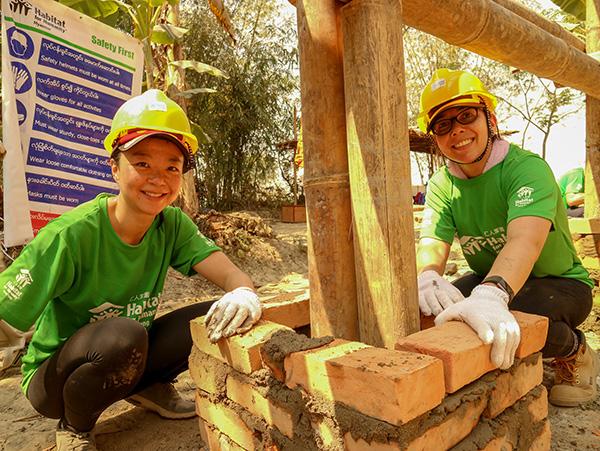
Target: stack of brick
(275,389)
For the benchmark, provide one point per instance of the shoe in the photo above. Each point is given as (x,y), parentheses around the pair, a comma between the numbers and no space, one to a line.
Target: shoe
(575,377)
(68,439)
(165,400)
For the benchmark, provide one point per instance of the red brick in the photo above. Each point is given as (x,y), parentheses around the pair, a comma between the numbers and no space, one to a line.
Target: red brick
(534,329)
(538,409)
(226,421)
(290,309)
(427,321)
(207,372)
(215,440)
(452,430)
(240,351)
(544,440)
(513,385)
(389,385)
(465,356)
(249,398)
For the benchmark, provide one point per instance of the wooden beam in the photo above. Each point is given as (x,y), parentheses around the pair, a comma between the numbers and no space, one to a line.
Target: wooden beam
(592,120)
(333,308)
(551,27)
(378,158)
(487,28)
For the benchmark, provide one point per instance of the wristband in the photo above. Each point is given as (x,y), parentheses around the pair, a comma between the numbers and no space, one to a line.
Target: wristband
(502,284)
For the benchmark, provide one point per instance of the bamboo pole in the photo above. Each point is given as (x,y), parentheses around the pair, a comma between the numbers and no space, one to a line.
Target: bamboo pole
(332,280)
(487,28)
(379,163)
(545,24)
(592,119)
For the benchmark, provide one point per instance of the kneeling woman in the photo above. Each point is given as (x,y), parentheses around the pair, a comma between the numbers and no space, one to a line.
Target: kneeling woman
(505,207)
(92,278)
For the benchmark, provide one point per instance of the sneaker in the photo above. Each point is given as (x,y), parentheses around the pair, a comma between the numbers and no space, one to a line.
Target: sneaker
(68,439)
(575,377)
(165,400)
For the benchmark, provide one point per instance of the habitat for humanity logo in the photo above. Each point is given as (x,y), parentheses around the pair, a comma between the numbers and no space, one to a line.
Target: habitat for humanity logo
(20,7)
(524,196)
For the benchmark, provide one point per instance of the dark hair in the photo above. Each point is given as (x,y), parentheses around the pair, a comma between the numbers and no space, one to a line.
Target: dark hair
(188,159)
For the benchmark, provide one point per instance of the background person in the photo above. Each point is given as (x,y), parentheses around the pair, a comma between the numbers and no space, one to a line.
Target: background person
(572,187)
(503,204)
(91,281)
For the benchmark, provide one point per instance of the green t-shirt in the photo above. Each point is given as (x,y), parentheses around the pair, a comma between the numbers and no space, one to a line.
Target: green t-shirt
(77,271)
(478,210)
(571,183)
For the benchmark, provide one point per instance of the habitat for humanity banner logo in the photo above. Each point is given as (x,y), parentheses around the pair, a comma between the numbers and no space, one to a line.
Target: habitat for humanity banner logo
(63,85)
(20,7)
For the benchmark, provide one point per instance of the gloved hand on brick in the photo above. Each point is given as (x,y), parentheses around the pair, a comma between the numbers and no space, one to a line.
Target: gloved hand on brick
(436,293)
(486,311)
(235,313)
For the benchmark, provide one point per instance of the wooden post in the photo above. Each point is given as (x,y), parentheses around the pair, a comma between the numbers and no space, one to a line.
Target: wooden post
(592,119)
(487,28)
(333,309)
(379,162)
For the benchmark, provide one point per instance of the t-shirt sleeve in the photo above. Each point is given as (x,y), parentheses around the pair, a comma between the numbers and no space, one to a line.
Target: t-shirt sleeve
(532,190)
(437,219)
(44,270)
(191,246)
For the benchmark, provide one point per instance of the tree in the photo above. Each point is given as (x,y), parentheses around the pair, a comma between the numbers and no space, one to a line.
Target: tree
(251,111)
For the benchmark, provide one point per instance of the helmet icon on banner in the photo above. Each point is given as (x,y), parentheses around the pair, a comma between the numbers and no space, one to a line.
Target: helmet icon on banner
(21,112)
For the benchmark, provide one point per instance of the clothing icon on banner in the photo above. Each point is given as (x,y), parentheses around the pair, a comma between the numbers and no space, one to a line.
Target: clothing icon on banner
(21,77)
(21,112)
(20,43)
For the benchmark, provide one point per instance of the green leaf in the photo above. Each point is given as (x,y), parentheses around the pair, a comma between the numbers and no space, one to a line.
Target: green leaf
(191,92)
(167,34)
(156,3)
(200,134)
(98,9)
(201,68)
(574,7)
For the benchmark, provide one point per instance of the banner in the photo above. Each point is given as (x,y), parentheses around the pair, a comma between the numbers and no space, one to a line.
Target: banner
(64,75)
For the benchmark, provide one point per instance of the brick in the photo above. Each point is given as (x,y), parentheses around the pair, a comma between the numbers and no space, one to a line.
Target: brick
(226,421)
(464,355)
(452,430)
(544,440)
(538,409)
(513,385)
(389,385)
(215,440)
(289,309)
(207,372)
(534,329)
(498,444)
(427,321)
(242,352)
(249,398)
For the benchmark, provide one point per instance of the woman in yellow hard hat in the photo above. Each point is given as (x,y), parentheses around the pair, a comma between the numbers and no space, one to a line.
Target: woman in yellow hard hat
(505,208)
(91,281)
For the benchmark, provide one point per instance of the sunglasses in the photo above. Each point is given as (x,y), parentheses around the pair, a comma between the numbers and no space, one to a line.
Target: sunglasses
(466,115)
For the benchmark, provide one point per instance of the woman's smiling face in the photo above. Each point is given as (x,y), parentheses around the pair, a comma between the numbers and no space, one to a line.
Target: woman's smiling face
(464,142)
(149,175)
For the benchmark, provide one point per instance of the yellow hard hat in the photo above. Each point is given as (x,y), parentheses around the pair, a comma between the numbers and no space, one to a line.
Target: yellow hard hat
(150,111)
(449,87)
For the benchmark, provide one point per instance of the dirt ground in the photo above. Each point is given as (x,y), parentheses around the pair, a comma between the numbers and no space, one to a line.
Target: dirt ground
(269,260)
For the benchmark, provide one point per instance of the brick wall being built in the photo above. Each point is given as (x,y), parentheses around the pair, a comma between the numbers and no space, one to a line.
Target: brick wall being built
(276,389)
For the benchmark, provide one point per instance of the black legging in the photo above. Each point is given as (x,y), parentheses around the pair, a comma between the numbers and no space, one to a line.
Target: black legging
(565,302)
(110,360)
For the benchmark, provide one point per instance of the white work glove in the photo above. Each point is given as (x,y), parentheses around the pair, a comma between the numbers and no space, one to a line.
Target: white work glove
(235,313)
(436,293)
(486,311)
